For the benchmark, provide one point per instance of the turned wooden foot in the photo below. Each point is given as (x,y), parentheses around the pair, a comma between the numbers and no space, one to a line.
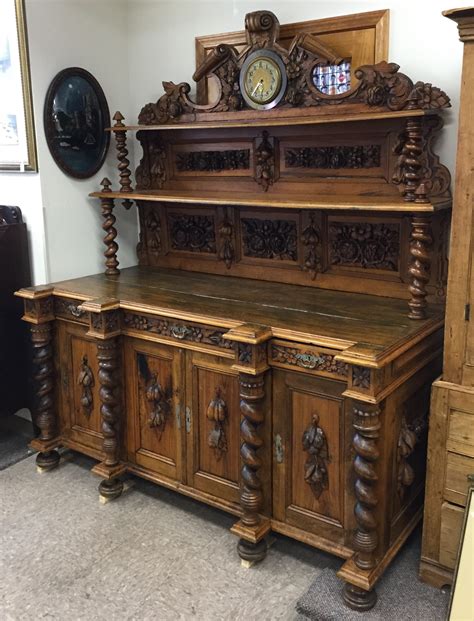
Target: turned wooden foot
(252,552)
(48,460)
(358,599)
(110,489)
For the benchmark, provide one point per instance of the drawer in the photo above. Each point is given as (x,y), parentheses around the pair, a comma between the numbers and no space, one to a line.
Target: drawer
(461,432)
(68,308)
(186,334)
(458,467)
(451,524)
(307,358)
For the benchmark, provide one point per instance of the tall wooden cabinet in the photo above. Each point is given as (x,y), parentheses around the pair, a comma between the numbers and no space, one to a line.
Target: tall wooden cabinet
(451,439)
(273,351)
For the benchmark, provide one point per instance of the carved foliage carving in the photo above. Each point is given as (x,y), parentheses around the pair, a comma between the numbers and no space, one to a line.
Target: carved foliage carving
(213,161)
(315,468)
(356,156)
(192,233)
(269,239)
(311,238)
(177,330)
(226,246)
(151,172)
(217,413)
(366,245)
(309,360)
(85,379)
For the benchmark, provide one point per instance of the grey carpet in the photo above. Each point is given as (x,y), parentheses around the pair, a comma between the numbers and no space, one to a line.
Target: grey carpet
(152,554)
(15,434)
(401,595)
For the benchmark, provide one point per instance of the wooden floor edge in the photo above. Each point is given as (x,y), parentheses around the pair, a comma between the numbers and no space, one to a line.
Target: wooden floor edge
(434,574)
(315,541)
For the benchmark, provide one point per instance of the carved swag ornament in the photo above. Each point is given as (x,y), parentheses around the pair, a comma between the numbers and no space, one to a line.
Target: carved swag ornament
(157,397)
(217,413)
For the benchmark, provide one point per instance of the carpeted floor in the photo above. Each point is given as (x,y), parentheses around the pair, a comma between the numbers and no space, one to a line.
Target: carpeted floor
(15,434)
(154,554)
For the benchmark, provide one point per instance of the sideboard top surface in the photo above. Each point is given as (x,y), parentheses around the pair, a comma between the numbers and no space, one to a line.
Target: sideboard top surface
(376,325)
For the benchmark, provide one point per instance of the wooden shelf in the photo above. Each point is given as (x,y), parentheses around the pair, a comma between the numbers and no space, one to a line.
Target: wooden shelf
(340,202)
(293,117)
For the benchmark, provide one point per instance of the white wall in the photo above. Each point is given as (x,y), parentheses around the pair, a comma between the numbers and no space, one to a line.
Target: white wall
(131,46)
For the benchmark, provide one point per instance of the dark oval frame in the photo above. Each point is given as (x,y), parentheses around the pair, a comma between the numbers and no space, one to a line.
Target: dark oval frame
(51,132)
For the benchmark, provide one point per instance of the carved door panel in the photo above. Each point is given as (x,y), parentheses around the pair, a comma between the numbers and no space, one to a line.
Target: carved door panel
(154,389)
(79,405)
(308,464)
(213,426)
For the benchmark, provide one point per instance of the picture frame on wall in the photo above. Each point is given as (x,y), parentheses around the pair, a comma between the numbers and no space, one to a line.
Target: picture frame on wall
(76,115)
(17,130)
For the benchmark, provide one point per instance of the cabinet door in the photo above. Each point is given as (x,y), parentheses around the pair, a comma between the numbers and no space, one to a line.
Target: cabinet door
(154,383)
(213,438)
(308,466)
(79,405)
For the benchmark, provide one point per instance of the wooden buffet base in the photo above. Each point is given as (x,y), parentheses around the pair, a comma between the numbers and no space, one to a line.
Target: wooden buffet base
(295,409)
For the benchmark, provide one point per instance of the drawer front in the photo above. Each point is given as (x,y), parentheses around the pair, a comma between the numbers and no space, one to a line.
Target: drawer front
(461,430)
(307,358)
(183,333)
(68,308)
(450,534)
(458,467)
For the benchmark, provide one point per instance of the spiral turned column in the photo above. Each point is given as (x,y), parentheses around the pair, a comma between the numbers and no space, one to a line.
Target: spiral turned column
(109,393)
(110,254)
(412,163)
(122,153)
(366,433)
(45,418)
(252,394)
(419,270)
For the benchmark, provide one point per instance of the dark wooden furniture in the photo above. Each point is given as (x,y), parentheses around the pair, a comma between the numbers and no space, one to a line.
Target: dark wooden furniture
(14,273)
(451,441)
(273,351)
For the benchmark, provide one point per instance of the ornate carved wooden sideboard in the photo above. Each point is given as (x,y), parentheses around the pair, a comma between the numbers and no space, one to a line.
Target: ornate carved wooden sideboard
(272,353)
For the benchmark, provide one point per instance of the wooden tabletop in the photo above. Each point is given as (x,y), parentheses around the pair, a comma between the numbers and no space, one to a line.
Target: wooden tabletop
(372,327)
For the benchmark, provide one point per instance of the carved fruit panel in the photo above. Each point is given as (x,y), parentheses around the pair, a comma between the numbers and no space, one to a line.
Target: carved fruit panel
(154,388)
(334,157)
(83,385)
(219,419)
(315,454)
(212,161)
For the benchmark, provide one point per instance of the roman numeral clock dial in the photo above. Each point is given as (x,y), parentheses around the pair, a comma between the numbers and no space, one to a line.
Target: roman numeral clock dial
(263,79)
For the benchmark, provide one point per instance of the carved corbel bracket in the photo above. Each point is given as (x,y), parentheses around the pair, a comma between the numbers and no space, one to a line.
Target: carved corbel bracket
(251,347)
(104,317)
(38,304)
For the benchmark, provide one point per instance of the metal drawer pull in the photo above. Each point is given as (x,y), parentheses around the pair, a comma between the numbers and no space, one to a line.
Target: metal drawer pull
(308,361)
(180,332)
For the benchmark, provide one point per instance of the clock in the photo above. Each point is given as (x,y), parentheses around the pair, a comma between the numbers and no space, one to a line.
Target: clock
(263,79)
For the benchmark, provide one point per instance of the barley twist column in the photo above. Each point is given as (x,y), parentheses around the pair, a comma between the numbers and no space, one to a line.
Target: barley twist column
(110,254)
(41,336)
(122,153)
(419,270)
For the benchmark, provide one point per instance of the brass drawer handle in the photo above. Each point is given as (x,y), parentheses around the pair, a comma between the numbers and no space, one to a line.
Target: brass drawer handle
(308,361)
(180,332)
(76,311)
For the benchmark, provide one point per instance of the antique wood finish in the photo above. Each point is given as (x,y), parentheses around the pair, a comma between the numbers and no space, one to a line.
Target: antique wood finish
(295,394)
(451,443)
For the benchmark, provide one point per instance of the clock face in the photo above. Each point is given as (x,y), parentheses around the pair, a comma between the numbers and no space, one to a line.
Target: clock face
(263,79)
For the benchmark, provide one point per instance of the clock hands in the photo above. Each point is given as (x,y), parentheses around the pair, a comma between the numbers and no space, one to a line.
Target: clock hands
(259,86)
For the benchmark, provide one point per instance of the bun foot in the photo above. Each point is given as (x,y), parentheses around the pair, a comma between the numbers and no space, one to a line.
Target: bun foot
(358,599)
(110,489)
(48,460)
(252,552)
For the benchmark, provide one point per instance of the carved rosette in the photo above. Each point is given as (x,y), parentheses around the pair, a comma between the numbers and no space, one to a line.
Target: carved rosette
(217,413)
(265,161)
(360,377)
(316,466)
(192,233)
(269,239)
(367,430)
(419,270)
(251,407)
(85,379)
(364,244)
